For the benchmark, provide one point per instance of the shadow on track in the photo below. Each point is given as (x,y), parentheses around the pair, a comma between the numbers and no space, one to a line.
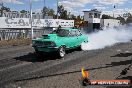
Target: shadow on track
(120,63)
(122,55)
(32,57)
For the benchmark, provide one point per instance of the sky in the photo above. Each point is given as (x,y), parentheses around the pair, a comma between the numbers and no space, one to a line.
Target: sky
(72,6)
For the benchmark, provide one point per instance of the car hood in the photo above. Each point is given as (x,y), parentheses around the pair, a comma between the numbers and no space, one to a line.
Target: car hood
(49,36)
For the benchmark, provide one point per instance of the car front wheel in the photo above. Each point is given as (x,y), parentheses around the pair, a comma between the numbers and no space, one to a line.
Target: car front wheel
(61,51)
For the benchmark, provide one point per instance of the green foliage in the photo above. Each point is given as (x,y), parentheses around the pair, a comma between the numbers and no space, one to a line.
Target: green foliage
(79,17)
(48,11)
(45,10)
(122,20)
(73,17)
(23,11)
(60,9)
(51,12)
(106,17)
(62,12)
(64,15)
(5,9)
(129,19)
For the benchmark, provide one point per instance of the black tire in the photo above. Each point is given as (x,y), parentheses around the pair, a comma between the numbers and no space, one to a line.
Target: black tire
(61,52)
(79,48)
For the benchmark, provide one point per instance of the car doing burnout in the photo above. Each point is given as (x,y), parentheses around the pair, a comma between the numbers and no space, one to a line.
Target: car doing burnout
(59,41)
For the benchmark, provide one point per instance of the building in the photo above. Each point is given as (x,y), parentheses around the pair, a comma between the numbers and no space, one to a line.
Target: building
(93,18)
(118,13)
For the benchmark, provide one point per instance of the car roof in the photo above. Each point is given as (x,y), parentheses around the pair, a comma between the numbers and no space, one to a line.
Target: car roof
(70,28)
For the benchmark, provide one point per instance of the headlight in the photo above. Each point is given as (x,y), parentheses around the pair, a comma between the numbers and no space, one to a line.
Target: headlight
(49,43)
(33,43)
(52,44)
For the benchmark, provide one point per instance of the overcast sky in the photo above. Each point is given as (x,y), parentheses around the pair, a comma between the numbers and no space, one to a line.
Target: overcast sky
(74,6)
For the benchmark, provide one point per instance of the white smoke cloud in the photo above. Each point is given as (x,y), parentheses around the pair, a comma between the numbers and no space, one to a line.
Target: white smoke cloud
(107,37)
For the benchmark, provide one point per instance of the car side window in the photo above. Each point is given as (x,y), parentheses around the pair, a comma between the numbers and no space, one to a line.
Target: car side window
(72,33)
(78,33)
(62,33)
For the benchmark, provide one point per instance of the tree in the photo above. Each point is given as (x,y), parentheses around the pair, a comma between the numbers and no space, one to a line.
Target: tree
(107,17)
(51,12)
(62,12)
(129,19)
(45,10)
(126,14)
(4,9)
(64,15)
(79,17)
(122,20)
(48,11)
(60,9)
(23,11)
(73,17)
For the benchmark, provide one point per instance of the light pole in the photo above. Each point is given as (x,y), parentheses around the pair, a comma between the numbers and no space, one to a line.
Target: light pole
(30,2)
(44,4)
(2,8)
(57,9)
(113,12)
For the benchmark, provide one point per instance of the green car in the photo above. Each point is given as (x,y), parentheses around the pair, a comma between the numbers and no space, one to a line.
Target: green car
(59,41)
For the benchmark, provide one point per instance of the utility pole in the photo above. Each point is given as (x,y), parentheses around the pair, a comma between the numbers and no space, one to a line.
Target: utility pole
(2,6)
(31,19)
(44,4)
(57,8)
(113,12)
(44,9)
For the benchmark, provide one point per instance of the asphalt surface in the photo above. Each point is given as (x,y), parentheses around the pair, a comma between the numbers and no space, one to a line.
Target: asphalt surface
(21,68)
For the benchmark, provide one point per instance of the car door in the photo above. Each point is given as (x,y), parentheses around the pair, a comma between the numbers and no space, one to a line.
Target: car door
(68,39)
(65,39)
(80,37)
(73,38)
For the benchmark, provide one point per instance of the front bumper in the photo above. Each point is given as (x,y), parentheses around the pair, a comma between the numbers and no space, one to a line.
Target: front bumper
(45,49)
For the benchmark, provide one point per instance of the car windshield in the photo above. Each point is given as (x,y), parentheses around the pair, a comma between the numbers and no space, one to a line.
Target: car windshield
(61,32)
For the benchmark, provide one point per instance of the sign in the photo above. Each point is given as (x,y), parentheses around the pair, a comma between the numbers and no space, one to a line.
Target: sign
(25,22)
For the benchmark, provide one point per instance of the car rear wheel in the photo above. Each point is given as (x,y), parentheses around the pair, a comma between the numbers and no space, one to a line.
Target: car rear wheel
(80,48)
(61,51)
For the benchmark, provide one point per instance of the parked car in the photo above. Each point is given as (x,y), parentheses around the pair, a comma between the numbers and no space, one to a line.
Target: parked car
(59,41)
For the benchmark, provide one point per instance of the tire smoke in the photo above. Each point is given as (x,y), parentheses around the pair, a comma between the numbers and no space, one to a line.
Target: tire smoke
(108,37)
